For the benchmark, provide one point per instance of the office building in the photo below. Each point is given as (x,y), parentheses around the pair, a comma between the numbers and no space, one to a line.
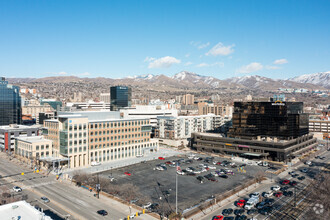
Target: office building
(56,105)
(265,130)
(84,137)
(34,110)
(120,97)
(88,106)
(8,134)
(188,99)
(278,119)
(10,104)
(45,115)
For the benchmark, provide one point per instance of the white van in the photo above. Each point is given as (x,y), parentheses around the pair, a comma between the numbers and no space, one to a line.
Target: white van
(95,163)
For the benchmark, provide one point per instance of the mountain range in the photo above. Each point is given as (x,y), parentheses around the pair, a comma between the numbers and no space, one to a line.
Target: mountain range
(188,80)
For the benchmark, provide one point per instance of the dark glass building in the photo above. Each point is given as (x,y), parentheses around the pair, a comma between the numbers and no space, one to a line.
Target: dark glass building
(10,104)
(120,97)
(278,119)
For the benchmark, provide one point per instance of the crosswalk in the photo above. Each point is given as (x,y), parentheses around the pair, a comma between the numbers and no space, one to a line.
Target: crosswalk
(39,185)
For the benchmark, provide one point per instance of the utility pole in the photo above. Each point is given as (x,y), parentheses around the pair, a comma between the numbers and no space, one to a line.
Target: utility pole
(176,189)
(295,198)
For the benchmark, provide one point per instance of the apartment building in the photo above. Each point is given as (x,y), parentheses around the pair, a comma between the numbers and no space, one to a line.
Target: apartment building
(223,110)
(188,99)
(181,127)
(84,137)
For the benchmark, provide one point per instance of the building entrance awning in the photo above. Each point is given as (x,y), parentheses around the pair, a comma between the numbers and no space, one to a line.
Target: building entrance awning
(53,159)
(252,154)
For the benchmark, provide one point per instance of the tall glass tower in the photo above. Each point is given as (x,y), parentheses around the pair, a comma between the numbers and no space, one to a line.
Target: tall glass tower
(10,104)
(120,97)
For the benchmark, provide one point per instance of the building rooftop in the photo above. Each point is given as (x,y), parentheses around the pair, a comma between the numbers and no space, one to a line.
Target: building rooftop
(18,127)
(21,210)
(33,139)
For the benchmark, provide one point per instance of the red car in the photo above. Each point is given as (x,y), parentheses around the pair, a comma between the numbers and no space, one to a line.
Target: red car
(285,182)
(161,158)
(219,163)
(218,217)
(278,194)
(127,173)
(168,162)
(240,203)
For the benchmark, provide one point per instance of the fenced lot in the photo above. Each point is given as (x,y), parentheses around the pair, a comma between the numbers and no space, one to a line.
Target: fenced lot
(159,186)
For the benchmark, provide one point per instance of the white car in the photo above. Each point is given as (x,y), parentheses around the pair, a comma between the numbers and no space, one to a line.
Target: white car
(95,163)
(180,172)
(191,156)
(276,188)
(197,171)
(214,173)
(215,162)
(212,167)
(268,194)
(308,162)
(17,189)
(255,195)
(232,164)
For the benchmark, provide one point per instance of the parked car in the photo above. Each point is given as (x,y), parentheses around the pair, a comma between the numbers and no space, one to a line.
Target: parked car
(217,217)
(308,162)
(285,182)
(288,193)
(293,183)
(255,194)
(45,199)
(260,205)
(267,194)
(269,201)
(200,178)
(239,211)
(227,211)
(251,211)
(301,178)
(102,212)
(212,167)
(304,170)
(224,176)
(17,189)
(278,194)
(240,203)
(161,158)
(128,173)
(266,210)
(276,188)
(284,188)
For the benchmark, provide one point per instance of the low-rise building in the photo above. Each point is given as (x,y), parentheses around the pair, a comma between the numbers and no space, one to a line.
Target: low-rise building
(33,148)
(8,133)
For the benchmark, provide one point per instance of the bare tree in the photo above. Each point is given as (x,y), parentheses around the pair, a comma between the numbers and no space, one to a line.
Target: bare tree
(260,176)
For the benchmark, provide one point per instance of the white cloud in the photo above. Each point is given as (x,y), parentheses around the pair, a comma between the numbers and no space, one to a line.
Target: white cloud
(187,55)
(203,65)
(273,67)
(164,62)
(219,64)
(280,61)
(149,59)
(252,67)
(221,49)
(62,73)
(201,46)
(188,63)
(85,74)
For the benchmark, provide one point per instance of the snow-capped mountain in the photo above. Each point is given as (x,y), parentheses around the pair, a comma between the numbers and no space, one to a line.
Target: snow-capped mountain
(321,79)
(264,83)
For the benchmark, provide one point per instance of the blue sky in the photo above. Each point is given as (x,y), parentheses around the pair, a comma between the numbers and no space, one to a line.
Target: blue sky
(277,39)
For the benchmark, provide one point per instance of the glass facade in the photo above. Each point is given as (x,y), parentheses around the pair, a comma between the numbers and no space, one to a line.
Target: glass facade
(120,97)
(278,119)
(10,104)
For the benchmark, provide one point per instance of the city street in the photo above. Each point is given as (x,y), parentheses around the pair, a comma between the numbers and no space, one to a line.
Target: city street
(66,199)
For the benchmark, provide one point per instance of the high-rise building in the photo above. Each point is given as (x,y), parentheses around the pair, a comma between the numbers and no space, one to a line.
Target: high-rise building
(188,99)
(105,97)
(277,119)
(10,104)
(121,96)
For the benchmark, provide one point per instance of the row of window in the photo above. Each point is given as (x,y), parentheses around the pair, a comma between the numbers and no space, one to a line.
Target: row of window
(115,131)
(117,124)
(118,137)
(79,127)
(96,146)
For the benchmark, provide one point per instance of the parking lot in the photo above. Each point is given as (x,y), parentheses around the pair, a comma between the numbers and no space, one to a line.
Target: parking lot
(158,184)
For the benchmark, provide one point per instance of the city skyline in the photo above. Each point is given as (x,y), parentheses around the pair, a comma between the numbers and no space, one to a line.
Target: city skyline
(119,39)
